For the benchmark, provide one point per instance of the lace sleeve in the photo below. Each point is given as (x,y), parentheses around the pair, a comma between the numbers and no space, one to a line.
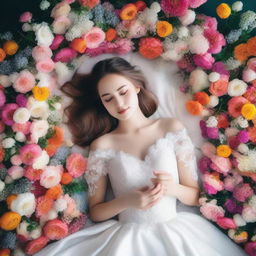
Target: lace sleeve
(97,165)
(185,152)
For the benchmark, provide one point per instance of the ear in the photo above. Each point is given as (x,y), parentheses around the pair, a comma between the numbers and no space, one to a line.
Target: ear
(137,89)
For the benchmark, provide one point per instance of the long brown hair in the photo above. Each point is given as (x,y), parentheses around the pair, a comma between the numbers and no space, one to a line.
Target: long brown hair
(87,118)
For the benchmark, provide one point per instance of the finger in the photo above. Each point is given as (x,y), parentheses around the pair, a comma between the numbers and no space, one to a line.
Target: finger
(154,190)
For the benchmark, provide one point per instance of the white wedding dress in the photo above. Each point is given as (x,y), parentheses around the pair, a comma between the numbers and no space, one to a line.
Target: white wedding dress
(160,230)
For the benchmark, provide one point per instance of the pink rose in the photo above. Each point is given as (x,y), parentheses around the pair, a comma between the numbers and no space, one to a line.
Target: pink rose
(51,176)
(251,64)
(29,152)
(242,192)
(204,61)
(7,113)
(46,65)
(2,98)
(41,52)
(211,211)
(196,3)
(24,128)
(76,164)
(216,40)
(226,223)
(60,9)
(61,24)
(16,172)
(58,39)
(231,181)
(16,160)
(249,75)
(94,37)
(25,17)
(24,82)
(221,164)
(65,55)
(212,182)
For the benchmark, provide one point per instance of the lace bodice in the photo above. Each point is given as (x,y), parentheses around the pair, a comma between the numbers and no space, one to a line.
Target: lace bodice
(127,172)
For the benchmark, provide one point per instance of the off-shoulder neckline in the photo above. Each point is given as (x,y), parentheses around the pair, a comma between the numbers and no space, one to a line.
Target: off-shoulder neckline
(150,149)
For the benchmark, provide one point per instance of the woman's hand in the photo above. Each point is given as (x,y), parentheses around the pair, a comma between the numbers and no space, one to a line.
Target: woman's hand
(143,198)
(166,180)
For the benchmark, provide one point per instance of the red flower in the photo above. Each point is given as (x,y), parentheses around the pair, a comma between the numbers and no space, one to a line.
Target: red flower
(150,47)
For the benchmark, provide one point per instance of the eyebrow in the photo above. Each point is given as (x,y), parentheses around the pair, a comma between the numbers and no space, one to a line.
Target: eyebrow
(117,90)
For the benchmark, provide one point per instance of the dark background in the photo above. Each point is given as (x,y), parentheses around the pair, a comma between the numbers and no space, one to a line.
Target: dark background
(11,10)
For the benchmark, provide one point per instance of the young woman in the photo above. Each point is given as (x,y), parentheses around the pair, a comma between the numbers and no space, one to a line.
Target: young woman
(150,164)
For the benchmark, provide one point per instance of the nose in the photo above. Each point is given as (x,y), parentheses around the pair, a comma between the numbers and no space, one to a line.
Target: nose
(119,102)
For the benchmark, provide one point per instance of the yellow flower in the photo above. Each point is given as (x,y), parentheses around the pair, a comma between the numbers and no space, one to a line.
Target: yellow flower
(224,150)
(10,47)
(223,11)
(248,111)
(40,93)
(163,28)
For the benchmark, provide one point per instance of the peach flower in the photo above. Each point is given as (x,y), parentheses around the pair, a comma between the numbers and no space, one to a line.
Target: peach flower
(235,105)
(24,82)
(41,52)
(94,37)
(46,65)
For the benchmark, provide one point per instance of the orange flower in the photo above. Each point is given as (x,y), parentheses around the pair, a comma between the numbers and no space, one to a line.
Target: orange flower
(2,54)
(219,88)
(79,45)
(1,154)
(128,12)
(223,11)
(240,237)
(111,34)
(10,47)
(55,141)
(241,52)
(40,93)
(5,252)
(150,47)
(252,134)
(202,97)
(54,192)
(66,178)
(9,199)
(10,220)
(163,28)
(194,107)
(44,205)
(224,150)
(251,46)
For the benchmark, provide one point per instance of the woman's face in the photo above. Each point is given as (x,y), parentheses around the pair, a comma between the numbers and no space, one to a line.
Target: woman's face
(118,95)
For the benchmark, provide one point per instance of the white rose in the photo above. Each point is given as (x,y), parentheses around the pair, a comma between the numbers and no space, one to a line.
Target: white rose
(38,109)
(41,161)
(236,87)
(2,185)
(5,81)
(239,220)
(243,148)
(155,6)
(252,201)
(213,102)
(20,136)
(22,229)
(21,115)
(237,6)
(36,233)
(183,32)
(51,176)
(214,77)
(231,233)
(27,27)
(44,35)
(198,80)
(188,18)
(64,74)
(24,204)
(60,205)
(38,129)
(44,79)
(57,105)
(198,44)
(8,143)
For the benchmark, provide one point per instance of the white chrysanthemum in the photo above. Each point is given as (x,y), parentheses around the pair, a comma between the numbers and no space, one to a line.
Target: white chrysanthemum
(44,5)
(44,79)
(214,77)
(22,229)
(39,129)
(38,109)
(248,214)
(171,55)
(188,18)
(213,102)
(239,221)
(212,121)
(27,27)
(2,185)
(8,143)
(237,6)
(20,136)
(50,176)
(232,63)
(183,32)
(198,44)
(21,115)
(198,80)
(155,6)
(239,122)
(243,148)
(174,50)
(252,202)
(41,161)
(36,233)
(5,81)
(8,179)
(231,131)
(236,87)
(24,204)
(60,205)
(63,72)
(44,35)
(247,163)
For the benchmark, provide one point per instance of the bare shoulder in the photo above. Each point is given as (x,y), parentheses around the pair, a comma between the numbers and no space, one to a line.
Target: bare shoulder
(101,142)
(171,124)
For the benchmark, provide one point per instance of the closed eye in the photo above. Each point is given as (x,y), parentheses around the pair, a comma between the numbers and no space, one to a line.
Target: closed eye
(120,94)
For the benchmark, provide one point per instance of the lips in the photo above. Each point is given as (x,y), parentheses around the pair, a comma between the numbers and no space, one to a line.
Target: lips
(122,111)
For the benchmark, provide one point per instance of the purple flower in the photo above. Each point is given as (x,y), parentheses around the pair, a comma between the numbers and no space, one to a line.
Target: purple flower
(232,207)
(2,98)
(204,164)
(21,100)
(243,136)
(212,132)
(219,67)
(203,127)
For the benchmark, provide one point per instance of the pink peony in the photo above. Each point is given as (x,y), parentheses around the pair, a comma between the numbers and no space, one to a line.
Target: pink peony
(226,223)
(204,61)
(65,55)
(25,17)
(243,136)
(94,37)
(209,22)
(204,164)
(7,113)
(32,174)
(220,68)
(58,39)
(212,132)
(24,82)
(71,211)
(41,52)
(51,176)
(24,128)
(242,192)
(216,40)
(230,182)
(29,152)
(211,211)
(212,183)
(46,65)
(196,3)
(221,164)
(89,3)
(123,46)
(235,105)
(21,100)
(76,164)
(250,248)
(2,98)
(174,8)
